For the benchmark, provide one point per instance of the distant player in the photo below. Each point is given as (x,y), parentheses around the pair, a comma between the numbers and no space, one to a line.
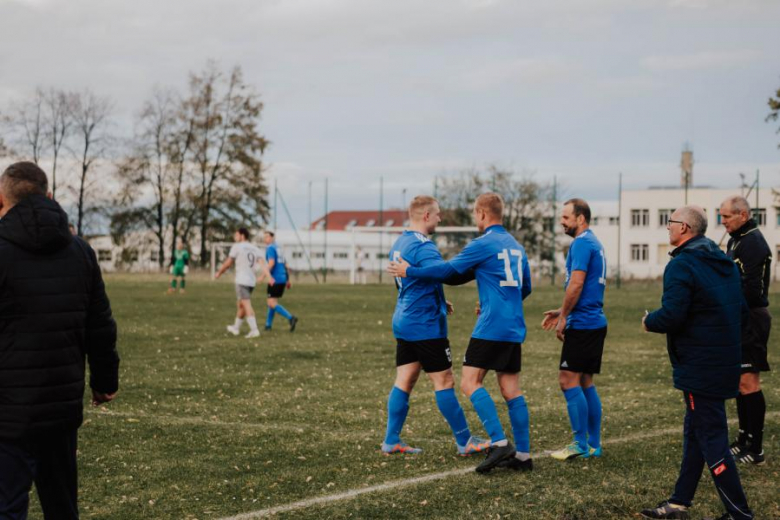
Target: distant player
(179,266)
(582,327)
(245,256)
(504,281)
(420,329)
(277,266)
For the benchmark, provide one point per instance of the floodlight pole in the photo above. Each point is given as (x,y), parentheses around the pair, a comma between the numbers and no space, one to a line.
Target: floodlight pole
(276,204)
(381,223)
(325,238)
(555,215)
(758,219)
(620,224)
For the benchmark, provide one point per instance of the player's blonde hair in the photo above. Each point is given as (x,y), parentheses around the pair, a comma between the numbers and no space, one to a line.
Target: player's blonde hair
(491,203)
(419,205)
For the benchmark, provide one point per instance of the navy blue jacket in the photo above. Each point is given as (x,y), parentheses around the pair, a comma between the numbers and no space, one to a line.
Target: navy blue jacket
(701,315)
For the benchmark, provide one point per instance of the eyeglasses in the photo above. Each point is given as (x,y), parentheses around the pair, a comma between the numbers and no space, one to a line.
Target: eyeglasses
(670,221)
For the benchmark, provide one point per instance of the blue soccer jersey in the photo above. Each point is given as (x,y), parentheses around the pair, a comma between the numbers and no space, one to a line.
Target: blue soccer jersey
(421,310)
(279,272)
(587,254)
(503,281)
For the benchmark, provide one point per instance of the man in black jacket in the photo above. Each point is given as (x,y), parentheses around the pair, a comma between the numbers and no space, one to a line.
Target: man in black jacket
(748,249)
(54,316)
(701,315)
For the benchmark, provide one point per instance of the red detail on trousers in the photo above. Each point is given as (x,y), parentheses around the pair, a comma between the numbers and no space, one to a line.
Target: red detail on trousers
(720,469)
(690,396)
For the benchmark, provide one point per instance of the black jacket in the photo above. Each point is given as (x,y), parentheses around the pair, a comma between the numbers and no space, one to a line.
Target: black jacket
(701,314)
(749,250)
(54,314)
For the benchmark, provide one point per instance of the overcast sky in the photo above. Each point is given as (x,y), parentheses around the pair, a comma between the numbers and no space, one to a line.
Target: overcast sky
(359,89)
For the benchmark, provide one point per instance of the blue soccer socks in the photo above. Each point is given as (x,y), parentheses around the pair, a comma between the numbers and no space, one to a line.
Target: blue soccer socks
(518,416)
(269,318)
(486,410)
(283,312)
(594,416)
(578,415)
(397,408)
(450,408)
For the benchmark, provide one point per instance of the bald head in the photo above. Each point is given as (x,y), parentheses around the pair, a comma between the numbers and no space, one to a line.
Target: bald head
(694,217)
(736,204)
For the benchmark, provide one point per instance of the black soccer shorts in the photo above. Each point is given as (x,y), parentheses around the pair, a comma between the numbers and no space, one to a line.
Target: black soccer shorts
(433,354)
(755,338)
(276,290)
(582,350)
(501,356)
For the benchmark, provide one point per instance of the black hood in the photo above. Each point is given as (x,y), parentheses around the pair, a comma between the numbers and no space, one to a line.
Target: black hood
(36,224)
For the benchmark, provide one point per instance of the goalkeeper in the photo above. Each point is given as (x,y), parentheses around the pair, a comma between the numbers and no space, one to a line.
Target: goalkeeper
(179,266)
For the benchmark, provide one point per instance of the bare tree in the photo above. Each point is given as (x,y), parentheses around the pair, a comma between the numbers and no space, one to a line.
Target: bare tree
(25,120)
(228,153)
(91,117)
(58,122)
(149,168)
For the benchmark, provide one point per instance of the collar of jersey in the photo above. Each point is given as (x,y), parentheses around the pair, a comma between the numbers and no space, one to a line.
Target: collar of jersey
(495,227)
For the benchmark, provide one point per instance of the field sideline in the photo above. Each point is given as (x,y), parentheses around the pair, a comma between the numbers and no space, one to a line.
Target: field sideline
(211,426)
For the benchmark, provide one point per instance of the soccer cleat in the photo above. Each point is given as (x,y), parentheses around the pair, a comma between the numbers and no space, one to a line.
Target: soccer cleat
(572,451)
(748,457)
(737,448)
(267,328)
(517,464)
(473,445)
(253,334)
(667,510)
(495,455)
(233,330)
(401,447)
(592,453)
(293,323)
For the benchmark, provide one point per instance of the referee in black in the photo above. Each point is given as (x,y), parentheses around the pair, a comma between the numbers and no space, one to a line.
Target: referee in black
(749,250)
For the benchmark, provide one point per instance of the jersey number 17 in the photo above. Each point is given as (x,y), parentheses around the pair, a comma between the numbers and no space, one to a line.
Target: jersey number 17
(506,255)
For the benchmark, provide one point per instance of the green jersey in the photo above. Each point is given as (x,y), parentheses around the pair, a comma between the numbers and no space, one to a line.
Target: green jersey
(181,257)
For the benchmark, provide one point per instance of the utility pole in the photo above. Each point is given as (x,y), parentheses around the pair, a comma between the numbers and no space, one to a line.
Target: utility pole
(620,223)
(310,222)
(756,210)
(552,228)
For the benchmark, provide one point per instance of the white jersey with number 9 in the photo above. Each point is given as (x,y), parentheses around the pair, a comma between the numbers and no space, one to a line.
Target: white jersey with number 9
(245,255)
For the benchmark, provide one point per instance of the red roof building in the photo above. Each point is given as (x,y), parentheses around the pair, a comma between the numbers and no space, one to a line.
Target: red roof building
(344,220)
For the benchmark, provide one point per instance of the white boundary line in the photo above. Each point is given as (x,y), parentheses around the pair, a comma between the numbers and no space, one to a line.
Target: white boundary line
(394,484)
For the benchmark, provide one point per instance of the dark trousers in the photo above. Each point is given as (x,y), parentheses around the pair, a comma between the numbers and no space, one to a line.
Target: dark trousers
(48,461)
(706,441)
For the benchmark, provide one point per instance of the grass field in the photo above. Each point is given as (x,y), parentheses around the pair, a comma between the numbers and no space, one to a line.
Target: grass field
(207,425)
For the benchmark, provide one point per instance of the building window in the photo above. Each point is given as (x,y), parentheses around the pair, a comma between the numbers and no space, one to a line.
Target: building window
(380,256)
(320,225)
(778,252)
(614,221)
(318,254)
(340,255)
(104,255)
(154,255)
(717,216)
(640,217)
(297,254)
(594,221)
(351,224)
(370,223)
(663,216)
(778,217)
(640,253)
(759,215)
(389,222)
